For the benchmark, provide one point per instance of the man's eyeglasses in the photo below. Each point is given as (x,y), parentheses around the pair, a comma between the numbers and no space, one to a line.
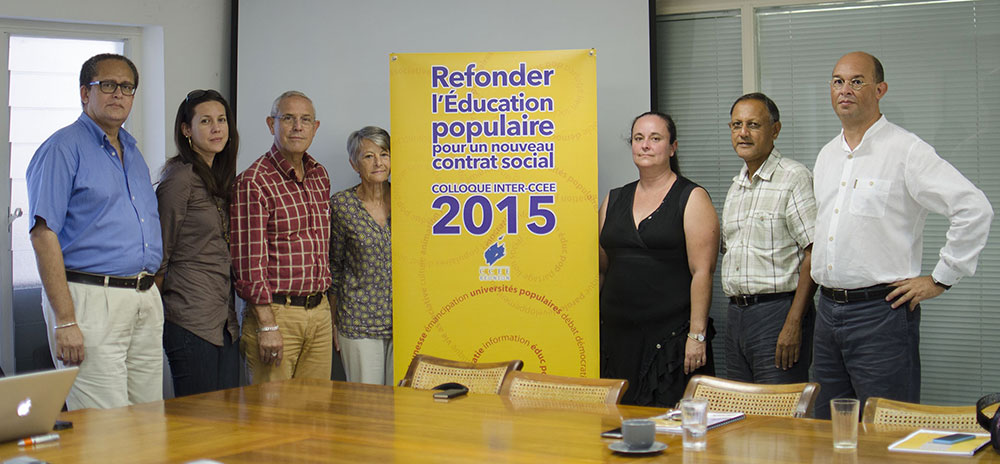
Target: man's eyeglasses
(737,126)
(856,84)
(290,120)
(109,87)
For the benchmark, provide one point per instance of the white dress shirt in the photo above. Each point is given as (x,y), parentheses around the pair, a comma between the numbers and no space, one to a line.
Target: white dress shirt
(767,222)
(873,201)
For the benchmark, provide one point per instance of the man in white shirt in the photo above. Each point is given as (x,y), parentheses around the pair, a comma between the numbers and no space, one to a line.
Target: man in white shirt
(875,184)
(767,230)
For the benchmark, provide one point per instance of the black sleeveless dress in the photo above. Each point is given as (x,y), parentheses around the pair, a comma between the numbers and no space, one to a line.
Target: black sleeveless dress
(646,298)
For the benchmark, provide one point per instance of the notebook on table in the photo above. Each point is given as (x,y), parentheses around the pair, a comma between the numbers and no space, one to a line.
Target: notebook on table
(671,422)
(922,441)
(30,403)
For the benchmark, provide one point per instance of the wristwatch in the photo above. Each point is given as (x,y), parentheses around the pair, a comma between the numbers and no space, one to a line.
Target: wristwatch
(696,337)
(939,284)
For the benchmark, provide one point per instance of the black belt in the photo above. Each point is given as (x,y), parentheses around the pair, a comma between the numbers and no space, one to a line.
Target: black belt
(843,295)
(747,300)
(307,301)
(142,282)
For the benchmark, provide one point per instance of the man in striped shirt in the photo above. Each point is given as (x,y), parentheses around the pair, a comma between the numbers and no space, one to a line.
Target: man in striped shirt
(767,230)
(280,244)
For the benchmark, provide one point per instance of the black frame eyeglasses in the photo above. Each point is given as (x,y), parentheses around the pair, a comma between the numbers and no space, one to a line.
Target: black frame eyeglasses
(109,87)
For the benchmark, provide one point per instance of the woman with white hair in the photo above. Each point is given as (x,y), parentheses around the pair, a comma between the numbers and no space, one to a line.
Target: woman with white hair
(361,261)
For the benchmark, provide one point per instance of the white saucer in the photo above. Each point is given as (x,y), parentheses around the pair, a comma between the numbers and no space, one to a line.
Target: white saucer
(621,447)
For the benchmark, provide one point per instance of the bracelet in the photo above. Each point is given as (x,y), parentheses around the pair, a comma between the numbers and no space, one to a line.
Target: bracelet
(63,326)
(273,328)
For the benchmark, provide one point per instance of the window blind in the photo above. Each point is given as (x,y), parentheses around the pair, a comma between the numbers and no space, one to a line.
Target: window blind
(941,63)
(699,72)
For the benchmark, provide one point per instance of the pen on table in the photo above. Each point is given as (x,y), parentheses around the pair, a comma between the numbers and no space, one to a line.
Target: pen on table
(38,439)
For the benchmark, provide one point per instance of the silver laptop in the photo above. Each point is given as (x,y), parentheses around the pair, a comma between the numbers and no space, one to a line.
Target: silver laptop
(30,403)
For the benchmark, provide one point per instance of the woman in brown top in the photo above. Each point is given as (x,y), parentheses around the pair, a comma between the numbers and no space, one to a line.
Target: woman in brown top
(200,327)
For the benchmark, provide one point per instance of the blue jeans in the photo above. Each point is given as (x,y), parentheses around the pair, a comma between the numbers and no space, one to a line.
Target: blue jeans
(752,337)
(866,349)
(198,366)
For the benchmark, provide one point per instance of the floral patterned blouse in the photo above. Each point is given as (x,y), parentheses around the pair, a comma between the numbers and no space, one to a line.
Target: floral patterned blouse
(361,263)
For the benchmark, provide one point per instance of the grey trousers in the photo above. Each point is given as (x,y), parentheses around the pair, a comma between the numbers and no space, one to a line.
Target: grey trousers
(752,336)
(866,349)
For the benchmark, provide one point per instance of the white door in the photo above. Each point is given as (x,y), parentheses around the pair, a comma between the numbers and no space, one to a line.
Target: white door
(42,94)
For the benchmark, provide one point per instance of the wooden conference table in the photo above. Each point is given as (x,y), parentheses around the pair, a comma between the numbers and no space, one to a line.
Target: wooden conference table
(324,421)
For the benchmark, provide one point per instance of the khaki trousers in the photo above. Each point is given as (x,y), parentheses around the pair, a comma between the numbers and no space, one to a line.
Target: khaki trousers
(308,343)
(122,343)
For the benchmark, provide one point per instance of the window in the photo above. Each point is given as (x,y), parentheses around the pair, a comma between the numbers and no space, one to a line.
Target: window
(44,97)
(41,92)
(940,59)
(940,63)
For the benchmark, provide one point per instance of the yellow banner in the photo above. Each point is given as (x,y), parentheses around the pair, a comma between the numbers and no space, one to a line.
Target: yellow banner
(494,224)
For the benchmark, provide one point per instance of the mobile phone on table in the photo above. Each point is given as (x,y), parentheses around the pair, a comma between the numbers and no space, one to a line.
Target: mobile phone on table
(613,433)
(953,438)
(450,393)
(62,425)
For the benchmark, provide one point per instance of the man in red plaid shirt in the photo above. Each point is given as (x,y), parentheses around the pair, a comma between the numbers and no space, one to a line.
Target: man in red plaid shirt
(280,244)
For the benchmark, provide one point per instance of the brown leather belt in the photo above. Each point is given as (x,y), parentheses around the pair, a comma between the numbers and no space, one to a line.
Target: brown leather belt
(843,295)
(306,301)
(142,282)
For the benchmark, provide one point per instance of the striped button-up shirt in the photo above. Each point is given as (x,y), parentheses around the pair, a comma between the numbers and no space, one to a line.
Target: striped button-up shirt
(280,229)
(767,222)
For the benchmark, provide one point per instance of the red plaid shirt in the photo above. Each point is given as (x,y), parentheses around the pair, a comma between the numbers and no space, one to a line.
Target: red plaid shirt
(280,229)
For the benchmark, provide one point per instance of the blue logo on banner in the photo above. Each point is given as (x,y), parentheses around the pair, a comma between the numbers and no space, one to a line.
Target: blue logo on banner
(495,252)
(489,272)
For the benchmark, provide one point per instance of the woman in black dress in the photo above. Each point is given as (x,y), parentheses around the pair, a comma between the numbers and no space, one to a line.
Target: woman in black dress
(659,240)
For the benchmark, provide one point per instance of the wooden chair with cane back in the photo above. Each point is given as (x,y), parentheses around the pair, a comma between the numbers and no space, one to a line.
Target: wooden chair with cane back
(886,412)
(426,372)
(530,385)
(784,400)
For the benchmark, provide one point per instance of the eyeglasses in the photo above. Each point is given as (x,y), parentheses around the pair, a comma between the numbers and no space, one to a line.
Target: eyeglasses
(290,120)
(128,88)
(856,84)
(737,126)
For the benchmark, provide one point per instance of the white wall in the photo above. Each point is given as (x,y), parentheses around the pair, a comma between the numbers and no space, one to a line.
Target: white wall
(337,52)
(185,46)
(343,52)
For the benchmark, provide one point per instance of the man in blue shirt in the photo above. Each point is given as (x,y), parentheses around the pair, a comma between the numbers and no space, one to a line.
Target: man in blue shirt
(96,235)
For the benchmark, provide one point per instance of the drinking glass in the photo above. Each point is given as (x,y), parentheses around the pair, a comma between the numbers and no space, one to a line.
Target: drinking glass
(694,421)
(844,414)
